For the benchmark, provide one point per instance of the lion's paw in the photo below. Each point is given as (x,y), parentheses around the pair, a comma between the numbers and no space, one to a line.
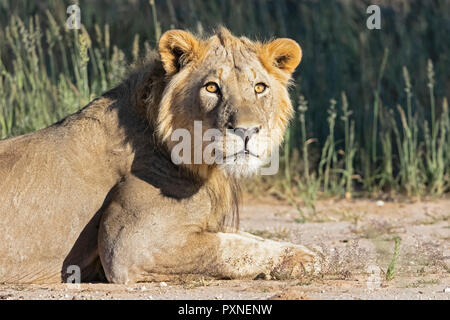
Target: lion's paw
(296,262)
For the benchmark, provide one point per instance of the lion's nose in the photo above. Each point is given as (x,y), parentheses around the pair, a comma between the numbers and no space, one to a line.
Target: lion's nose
(246,133)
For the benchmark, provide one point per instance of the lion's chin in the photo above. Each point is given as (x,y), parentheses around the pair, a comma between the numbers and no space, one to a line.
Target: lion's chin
(242,167)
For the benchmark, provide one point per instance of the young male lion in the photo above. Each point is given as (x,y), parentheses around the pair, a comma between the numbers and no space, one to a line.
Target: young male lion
(100,189)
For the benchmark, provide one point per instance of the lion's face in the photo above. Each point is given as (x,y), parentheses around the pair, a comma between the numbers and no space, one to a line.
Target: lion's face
(228,97)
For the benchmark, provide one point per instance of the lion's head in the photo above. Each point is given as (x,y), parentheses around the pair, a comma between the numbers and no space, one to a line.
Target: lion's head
(229,95)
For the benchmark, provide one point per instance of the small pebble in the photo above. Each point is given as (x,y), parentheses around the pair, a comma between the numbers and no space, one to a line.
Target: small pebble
(163,284)
(380,203)
(447,290)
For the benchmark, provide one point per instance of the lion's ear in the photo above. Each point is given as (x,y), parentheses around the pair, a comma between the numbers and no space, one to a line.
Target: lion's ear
(177,48)
(283,53)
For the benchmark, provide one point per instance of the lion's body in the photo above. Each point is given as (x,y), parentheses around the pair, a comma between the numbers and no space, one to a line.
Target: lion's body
(99,189)
(53,182)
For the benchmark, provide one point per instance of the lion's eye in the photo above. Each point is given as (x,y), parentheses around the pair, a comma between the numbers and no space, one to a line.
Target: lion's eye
(212,87)
(260,87)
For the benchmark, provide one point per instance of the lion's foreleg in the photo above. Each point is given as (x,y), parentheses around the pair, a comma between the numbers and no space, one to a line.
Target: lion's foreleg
(242,255)
(220,255)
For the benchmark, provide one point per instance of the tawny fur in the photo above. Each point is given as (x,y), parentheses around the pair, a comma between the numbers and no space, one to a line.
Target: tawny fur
(99,190)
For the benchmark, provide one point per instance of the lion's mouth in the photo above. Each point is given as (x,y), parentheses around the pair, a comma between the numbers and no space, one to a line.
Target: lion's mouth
(241,154)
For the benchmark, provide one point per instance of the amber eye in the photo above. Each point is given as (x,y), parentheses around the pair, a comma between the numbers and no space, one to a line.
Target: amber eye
(212,87)
(260,87)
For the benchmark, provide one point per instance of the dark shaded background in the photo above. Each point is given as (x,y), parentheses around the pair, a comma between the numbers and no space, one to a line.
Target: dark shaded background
(340,53)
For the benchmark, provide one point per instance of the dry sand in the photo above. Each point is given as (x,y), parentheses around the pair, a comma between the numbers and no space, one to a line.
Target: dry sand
(355,237)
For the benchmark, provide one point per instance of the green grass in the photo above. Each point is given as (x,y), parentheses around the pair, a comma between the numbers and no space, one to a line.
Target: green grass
(372,106)
(390,272)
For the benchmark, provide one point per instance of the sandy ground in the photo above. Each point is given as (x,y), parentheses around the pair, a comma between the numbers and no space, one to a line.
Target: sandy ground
(355,238)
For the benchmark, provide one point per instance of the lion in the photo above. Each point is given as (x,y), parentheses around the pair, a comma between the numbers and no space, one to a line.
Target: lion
(100,190)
